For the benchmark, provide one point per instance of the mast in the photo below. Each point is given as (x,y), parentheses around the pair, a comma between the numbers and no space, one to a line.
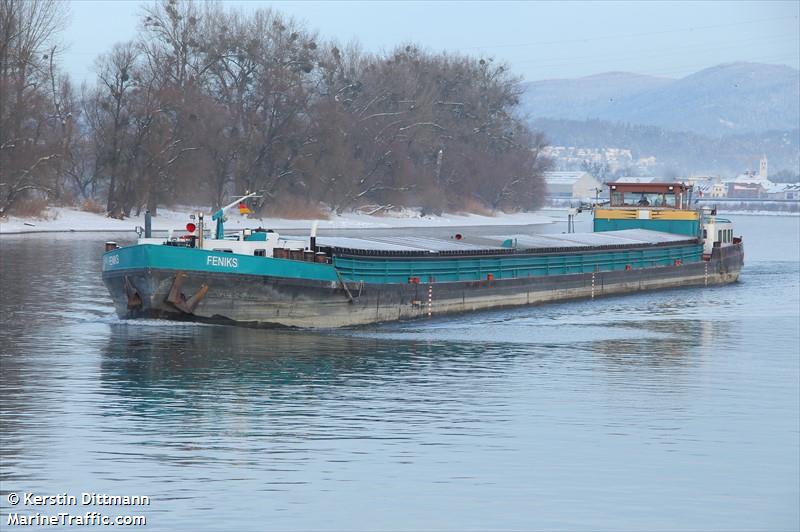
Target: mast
(219,216)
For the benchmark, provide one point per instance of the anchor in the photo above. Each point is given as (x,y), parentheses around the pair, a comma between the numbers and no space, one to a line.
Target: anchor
(134,299)
(178,299)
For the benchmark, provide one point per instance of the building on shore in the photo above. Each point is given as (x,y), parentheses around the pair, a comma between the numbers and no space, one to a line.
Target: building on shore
(718,190)
(784,191)
(708,186)
(749,185)
(746,190)
(572,186)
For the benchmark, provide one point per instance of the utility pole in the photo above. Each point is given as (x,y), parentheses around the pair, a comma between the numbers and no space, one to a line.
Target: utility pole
(439,158)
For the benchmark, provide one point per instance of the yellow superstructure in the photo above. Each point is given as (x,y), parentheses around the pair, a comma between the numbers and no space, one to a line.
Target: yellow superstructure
(646,214)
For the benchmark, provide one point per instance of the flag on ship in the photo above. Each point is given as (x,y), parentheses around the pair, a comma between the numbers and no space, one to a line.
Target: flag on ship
(244,209)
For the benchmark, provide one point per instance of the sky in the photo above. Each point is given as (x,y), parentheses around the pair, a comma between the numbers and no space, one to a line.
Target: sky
(539,40)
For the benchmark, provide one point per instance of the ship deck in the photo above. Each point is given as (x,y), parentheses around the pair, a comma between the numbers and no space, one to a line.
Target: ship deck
(411,246)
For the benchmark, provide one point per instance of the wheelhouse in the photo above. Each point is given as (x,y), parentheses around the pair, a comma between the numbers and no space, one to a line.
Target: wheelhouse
(665,207)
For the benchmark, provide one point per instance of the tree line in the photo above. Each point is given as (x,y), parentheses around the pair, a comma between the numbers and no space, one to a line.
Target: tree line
(207,102)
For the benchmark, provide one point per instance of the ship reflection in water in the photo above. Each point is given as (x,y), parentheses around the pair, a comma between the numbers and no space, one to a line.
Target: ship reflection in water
(666,410)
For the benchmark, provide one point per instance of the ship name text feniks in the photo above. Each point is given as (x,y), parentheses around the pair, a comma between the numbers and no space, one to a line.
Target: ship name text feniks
(227,262)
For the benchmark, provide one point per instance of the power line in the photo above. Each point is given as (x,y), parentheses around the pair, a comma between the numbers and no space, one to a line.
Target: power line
(628,35)
(569,61)
(695,68)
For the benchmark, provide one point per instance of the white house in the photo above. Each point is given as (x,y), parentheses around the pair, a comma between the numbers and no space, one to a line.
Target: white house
(708,186)
(783,191)
(572,185)
(718,190)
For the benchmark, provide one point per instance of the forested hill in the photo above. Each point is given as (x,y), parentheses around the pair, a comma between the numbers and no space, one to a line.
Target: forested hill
(723,100)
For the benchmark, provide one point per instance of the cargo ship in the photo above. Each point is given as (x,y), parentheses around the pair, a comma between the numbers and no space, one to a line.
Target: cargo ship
(646,237)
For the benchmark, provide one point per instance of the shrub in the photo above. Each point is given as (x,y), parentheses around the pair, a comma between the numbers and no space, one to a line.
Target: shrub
(293,208)
(473,206)
(30,208)
(91,205)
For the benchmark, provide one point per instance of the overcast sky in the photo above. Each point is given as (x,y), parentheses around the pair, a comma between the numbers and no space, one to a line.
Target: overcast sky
(539,40)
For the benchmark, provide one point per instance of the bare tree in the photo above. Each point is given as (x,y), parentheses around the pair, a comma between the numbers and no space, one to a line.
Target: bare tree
(430,129)
(109,112)
(28,148)
(262,104)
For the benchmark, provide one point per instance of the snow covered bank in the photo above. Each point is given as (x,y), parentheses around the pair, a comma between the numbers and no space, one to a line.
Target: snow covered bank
(727,212)
(62,219)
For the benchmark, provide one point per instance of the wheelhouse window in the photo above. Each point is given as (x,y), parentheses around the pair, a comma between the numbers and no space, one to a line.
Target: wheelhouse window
(652,200)
(667,200)
(642,199)
(652,195)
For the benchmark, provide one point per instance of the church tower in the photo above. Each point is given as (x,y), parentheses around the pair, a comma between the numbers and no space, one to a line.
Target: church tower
(762,168)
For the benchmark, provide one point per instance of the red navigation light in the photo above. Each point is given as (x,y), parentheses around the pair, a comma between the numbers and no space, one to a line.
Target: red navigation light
(190,227)
(458,236)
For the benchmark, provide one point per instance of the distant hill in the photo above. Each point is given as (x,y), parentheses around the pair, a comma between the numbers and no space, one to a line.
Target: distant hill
(585,98)
(681,152)
(734,98)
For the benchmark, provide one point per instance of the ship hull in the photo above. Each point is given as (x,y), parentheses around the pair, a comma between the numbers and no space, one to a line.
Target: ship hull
(327,301)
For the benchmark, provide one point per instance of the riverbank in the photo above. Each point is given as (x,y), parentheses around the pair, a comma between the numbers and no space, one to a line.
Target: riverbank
(67,220)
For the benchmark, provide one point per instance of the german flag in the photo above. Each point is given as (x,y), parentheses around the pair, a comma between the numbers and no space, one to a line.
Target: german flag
(244,209)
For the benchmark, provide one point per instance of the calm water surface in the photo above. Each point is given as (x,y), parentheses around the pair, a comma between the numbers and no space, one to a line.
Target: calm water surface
(669,410)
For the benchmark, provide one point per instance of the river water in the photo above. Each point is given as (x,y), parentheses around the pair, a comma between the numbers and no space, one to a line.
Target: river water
(670,410)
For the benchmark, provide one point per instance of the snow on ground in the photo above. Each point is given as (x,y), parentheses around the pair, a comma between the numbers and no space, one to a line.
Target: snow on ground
(63,219)
(730,212)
